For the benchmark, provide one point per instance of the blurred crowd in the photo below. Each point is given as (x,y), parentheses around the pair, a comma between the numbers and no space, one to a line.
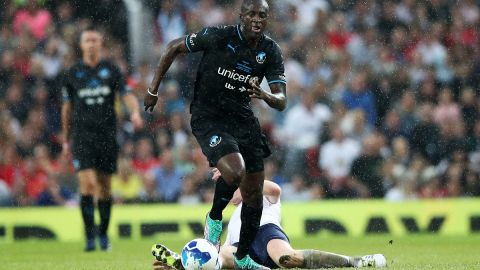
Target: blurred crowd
(383,100)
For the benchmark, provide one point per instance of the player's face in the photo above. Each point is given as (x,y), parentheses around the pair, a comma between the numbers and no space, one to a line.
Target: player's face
(255,18)
(91,42)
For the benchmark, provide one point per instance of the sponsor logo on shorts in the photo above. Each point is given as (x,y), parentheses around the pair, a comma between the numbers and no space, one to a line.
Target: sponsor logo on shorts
(261,56)
(215,140)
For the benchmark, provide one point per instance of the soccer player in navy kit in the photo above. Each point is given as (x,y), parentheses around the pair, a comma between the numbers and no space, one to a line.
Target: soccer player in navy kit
(235,60)
(89,121)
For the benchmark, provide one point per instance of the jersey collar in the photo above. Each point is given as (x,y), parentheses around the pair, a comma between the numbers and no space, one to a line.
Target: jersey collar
(242,37)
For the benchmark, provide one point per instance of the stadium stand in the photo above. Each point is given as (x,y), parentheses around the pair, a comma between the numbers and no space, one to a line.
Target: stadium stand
(391,87)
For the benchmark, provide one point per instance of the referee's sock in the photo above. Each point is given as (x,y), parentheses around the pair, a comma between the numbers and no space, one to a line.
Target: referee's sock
(105,208)
(250,217)
(221,198)
(86,206)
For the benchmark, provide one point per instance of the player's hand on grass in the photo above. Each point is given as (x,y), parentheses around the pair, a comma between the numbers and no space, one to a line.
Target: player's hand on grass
(137,120)
(150,101)
(256,91)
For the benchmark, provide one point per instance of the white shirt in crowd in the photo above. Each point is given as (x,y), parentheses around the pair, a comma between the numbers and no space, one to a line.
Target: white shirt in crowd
(336,157)
(303,128)
(271,215)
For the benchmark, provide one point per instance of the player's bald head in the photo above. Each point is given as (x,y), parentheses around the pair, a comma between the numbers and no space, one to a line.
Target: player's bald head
(247,3)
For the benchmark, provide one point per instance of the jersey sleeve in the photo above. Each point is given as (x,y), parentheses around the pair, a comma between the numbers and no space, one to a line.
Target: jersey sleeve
(275,72)
(202,40)
(120,84)
(67,88)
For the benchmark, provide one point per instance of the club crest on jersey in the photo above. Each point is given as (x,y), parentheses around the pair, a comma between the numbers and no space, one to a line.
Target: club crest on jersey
(261,56)
(104,73)
(215,140)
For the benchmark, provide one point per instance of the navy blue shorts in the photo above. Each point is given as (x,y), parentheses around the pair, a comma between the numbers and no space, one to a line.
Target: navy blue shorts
(258,249)
(218,138)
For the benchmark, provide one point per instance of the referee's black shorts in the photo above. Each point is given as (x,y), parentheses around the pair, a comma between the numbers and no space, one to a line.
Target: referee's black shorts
(219,137)
(95,151)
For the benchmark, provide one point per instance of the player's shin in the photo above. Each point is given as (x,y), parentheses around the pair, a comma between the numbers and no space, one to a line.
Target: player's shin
(250,217)
(105,208)
(87,209)
(314,259)
(223,195)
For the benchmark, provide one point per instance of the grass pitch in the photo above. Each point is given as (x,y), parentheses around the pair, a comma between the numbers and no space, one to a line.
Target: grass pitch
(414,252)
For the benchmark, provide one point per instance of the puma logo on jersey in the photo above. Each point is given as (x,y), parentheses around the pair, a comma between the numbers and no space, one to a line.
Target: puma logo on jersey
(231,47)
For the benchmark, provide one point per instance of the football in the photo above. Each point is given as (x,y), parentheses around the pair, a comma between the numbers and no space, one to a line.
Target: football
(199,254)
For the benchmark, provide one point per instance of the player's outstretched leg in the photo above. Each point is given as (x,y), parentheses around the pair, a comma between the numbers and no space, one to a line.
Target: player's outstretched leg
(164,255)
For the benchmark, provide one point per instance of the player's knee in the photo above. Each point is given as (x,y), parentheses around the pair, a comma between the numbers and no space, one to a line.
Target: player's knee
(238,175)
(104,192)
(87,188)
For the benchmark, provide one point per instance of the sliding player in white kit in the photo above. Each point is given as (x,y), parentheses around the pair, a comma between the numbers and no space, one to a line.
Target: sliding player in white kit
(271,246)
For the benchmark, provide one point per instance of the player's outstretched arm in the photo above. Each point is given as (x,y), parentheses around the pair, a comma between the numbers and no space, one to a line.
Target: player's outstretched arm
(174,48)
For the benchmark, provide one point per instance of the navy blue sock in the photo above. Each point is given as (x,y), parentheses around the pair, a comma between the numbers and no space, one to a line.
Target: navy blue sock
(86,206)
(250,217)
(221,198)
(105,209)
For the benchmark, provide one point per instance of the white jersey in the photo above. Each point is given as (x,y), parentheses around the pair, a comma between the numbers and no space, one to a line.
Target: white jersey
(271,214)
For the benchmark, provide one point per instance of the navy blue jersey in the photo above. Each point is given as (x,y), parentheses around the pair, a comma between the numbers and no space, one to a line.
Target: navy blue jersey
(92,94)
(227,65)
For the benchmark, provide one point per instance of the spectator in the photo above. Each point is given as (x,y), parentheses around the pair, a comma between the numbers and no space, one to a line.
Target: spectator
(168,178)
(54,194)
(144,159)
(336,157)
(170,21)
(359,96)
(447,110)
(366,176)
(303,126)
(126,184)
(189,193)
(394,68)
(32,19)
(296,190)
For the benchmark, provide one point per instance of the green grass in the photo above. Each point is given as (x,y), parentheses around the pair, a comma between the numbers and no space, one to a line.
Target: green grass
(415,252)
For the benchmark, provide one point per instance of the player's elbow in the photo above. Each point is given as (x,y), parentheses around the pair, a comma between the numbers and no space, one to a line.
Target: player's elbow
(282,105)
(276,191)
(175,46)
